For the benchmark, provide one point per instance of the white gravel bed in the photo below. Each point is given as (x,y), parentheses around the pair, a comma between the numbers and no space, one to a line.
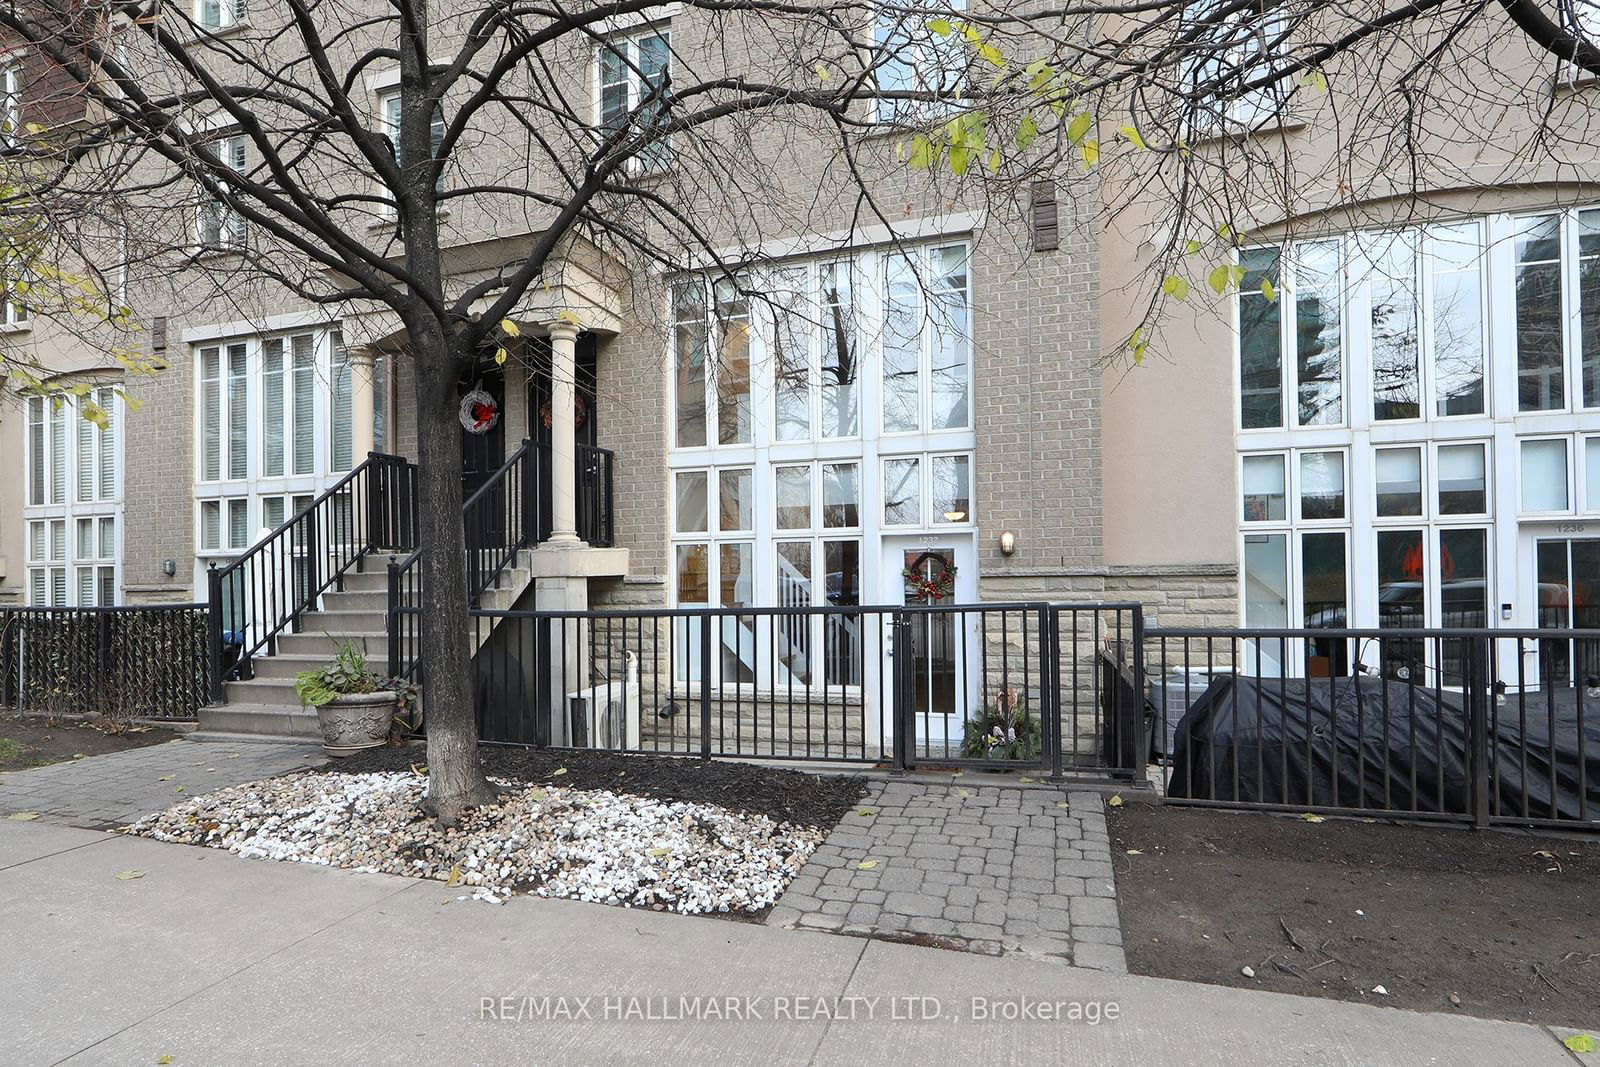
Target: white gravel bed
(584,844)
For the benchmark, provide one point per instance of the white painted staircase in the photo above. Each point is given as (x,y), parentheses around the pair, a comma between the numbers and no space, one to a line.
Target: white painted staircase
(266,707)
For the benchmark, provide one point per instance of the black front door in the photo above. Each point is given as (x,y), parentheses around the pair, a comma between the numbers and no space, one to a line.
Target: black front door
(483,453)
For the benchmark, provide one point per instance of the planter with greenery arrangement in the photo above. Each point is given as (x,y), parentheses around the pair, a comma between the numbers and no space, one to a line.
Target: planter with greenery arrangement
(1003,730)
(355,707)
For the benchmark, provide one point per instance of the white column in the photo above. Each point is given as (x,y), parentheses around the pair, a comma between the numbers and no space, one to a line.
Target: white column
(563,432)
(363,403)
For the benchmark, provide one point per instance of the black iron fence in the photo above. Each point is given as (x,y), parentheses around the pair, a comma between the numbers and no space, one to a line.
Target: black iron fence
(1017,686)
(1474,725)
(123,662)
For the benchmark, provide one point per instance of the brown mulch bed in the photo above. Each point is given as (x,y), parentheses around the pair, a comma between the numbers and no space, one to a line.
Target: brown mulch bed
(1489,923)
(35,741)
(817,800)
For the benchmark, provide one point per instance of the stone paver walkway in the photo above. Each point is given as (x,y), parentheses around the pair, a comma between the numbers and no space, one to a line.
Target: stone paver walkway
(983,868)
(119,787)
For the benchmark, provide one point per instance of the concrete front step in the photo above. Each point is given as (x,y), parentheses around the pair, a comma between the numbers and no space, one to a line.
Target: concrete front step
(260,720)
(317,643)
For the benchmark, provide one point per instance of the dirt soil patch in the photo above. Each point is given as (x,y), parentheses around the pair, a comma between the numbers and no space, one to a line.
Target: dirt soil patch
(817,800)
(34,742)
(1498,924)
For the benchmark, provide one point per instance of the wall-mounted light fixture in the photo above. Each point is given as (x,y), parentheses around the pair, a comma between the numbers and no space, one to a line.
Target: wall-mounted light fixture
(169,567)
(1008,542)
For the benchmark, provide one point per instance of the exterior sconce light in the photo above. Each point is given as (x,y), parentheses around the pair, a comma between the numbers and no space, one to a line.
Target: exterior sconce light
(169,567)
(1008,543)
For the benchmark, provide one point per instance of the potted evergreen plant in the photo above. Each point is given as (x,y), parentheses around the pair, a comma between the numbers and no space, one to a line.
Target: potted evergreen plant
(355,707)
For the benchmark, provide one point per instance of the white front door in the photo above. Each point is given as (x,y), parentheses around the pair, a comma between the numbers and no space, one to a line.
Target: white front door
(936,570)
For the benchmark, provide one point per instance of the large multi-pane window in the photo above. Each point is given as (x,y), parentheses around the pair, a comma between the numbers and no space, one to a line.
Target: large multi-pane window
(633,71)
(273,428)
(816,407)
(74,497)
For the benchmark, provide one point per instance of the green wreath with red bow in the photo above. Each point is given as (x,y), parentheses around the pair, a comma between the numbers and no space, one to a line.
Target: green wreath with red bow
(934,584)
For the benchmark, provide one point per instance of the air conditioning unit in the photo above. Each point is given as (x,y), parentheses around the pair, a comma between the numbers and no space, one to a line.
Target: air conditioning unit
(1173,695)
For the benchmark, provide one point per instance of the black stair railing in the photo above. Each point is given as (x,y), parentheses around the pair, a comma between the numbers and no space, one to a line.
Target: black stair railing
(498,520)
(509,512)
(264,593)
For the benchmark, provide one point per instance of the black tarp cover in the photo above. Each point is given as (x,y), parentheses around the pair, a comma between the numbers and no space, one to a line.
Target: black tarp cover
(1369,743)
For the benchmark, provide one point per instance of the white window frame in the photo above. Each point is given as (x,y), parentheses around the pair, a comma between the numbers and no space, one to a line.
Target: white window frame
(11,72)
(230,13)
(64,511)
(218,227)
(931,62)
(625,43)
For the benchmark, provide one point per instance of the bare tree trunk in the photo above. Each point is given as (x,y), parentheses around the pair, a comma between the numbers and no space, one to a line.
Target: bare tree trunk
(456,780)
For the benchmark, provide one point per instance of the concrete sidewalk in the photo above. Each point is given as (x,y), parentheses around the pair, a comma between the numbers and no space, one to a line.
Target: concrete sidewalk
(212,959)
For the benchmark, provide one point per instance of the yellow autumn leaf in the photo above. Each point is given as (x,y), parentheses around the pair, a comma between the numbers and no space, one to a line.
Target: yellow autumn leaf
(1312,817)
(866,865)
(128,876)
(1115,801)
(511,328)
(163,1059)
(660,852)
(501,355)
(1091,152)
(23,816)
(865,813)
(558,772)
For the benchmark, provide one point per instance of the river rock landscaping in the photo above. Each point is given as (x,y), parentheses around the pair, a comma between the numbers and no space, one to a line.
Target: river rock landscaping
(554,834)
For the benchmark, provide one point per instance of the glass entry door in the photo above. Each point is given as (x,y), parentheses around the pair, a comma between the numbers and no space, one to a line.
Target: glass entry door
(1569,598)
(936,572)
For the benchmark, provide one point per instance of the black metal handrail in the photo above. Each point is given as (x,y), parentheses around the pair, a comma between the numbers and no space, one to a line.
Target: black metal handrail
(265,592)
(498,520)
(593,486)
(595,524)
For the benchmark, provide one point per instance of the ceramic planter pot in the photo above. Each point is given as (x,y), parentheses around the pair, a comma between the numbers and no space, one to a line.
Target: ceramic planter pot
(356,721)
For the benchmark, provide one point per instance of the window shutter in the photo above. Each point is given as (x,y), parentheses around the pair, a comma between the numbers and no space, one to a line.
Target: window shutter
(272,512)
(108,587)
(58,540)
(305,397)
(58,455)
(36,592)
(85,457)
(238,413)
(238,524)
(158,333)
(272,410)
(85,539)
(36,443)
(86,587)
(108,445)
(343,444)
(211,415)
(1046,218)
(211,524)
(35,542)
(58,587)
